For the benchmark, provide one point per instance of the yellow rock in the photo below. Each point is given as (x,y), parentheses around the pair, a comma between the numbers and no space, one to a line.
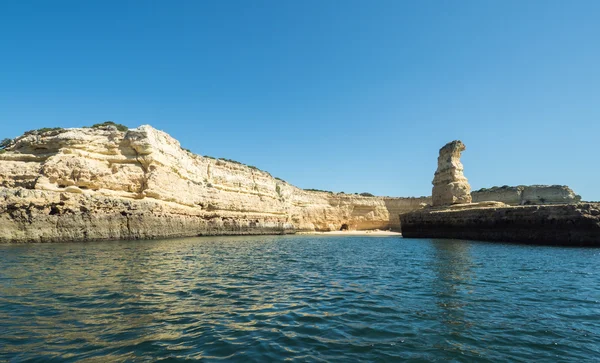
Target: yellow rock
(142,184)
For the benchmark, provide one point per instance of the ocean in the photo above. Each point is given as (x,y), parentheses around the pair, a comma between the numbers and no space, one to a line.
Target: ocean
(299,298)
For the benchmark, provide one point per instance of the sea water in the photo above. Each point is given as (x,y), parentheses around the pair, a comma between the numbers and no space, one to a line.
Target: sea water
(303,298)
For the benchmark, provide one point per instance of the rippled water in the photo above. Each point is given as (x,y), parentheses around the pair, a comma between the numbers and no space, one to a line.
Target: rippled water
(303,298)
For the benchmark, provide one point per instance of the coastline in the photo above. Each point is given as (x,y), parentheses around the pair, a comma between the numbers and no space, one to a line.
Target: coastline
(367,233)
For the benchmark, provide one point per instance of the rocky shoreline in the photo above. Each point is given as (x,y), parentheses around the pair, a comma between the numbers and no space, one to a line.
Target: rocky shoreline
(564,225)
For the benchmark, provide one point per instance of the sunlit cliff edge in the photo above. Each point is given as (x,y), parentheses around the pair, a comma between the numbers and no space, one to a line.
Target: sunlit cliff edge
(101,183)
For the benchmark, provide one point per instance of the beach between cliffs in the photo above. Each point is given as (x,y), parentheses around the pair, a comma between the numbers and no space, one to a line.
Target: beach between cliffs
(368,233)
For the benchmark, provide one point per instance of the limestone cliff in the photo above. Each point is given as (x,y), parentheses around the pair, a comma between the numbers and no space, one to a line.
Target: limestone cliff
(449,183)
(101,183)
(528,195)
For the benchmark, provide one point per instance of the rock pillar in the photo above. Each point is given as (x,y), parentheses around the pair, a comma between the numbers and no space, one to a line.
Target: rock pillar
(449,183)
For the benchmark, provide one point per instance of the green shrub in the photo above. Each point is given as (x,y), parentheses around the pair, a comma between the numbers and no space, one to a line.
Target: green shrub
(47,129)
(366,194)
(231,161)
(43,130)
(281,180)
(237,162)
(319,190)
(110,123)
(4,143)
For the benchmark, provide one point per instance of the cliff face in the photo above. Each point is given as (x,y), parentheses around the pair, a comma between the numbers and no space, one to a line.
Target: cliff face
(87,184)
(449,183)
(528,195)
(568,225)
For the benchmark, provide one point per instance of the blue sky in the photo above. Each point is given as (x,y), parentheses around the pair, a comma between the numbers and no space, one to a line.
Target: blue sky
(353,96)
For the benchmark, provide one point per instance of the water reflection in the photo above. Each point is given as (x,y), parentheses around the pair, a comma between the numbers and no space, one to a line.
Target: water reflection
(453,273)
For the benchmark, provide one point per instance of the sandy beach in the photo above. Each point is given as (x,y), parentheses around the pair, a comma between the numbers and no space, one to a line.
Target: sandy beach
(374,233)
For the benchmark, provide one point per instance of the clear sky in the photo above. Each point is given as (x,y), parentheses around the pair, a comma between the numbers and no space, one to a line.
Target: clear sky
(353,96)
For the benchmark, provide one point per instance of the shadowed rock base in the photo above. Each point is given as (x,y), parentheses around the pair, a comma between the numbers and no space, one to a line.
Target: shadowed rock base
(565,225)
(42,216)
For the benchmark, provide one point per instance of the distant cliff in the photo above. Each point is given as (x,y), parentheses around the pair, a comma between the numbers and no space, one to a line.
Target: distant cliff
(104,183)
(527,195)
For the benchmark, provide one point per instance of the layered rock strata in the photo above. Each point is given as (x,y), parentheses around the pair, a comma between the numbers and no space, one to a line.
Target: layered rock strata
(528,195)
(449,183)
(567,225)
(94,184)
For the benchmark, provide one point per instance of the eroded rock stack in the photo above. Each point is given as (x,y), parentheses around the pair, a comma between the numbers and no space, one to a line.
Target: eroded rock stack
(449,183)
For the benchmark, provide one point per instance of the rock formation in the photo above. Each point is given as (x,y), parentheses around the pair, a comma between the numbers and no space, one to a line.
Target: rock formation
(449,184)
(490,219)
(566,224)
(528,195)
(100,183)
